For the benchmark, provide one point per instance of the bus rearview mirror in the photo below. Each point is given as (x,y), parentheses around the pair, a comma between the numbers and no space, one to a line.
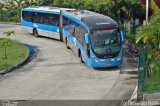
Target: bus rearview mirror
(122,36)
(86,38)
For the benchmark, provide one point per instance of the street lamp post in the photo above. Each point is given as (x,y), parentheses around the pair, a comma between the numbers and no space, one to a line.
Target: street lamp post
(147,6)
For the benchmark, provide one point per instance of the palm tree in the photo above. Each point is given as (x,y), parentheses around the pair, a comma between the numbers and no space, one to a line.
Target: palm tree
(150,36)
(8,34)
(5,43)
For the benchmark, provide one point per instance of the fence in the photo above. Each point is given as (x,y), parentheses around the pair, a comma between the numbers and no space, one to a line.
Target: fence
(142,71)
(153,80)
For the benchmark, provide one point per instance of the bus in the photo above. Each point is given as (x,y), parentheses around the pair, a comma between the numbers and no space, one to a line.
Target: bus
(94,37)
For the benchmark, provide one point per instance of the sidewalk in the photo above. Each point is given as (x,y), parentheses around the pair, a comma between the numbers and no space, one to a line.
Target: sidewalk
(126,82)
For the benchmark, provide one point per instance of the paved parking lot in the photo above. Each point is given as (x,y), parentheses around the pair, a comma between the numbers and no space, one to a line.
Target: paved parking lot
(56,73)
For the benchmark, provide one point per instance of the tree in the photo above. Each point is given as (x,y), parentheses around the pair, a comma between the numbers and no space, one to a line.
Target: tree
(2,9)
(150,36)
(153,6)
(32,2)
(10,5)
(43,2)
(8,34)
(5,43)
(16,5)
(38,2)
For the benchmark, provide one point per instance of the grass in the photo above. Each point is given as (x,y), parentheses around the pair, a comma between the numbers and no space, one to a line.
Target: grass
(153,84)
(15,53)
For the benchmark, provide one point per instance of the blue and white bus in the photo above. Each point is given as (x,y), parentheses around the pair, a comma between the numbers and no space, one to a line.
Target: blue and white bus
(94,37)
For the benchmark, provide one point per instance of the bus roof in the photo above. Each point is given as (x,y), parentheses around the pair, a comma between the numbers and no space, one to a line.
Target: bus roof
(43,8)
(99,22)
(78,14)
(94,20)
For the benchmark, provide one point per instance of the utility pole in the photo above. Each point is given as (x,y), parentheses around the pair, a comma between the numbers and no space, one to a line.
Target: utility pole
(147,9)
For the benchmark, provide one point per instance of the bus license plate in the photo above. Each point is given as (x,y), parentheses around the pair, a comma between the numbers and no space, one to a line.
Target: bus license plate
(108,65)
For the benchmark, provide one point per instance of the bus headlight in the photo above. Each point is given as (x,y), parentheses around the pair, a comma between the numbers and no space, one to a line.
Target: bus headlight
(95,60)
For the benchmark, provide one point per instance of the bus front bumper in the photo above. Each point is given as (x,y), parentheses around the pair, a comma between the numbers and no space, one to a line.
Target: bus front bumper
(106,63)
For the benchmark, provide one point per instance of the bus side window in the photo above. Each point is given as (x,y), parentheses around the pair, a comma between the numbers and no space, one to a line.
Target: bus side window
(35,17)
(71,29)
(38,18)
(71,25)
(66,21)
(51,20)
(54,19)
(27,16)
(79,34)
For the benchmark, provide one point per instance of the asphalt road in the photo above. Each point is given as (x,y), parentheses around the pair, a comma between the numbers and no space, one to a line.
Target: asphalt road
(56,73)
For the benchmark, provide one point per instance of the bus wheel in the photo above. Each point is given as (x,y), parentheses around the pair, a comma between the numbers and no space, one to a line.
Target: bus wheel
(81,58)
(35,32)
(67,44)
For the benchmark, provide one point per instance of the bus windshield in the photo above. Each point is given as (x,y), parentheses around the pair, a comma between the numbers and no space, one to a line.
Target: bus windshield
(106,43)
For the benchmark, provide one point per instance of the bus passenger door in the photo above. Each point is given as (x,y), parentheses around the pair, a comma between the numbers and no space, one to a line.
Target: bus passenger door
(54,26)
(73,40)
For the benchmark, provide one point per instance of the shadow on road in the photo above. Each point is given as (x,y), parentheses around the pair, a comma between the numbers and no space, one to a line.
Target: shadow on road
(107,69)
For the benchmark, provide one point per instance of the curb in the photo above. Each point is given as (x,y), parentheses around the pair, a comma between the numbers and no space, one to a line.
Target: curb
(31,51)
(12,23)
(134,95)
(133,62)
(129,72)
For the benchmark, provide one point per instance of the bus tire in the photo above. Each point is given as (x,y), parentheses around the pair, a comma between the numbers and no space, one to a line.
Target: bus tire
(81,58)
(67,44)
(35,33)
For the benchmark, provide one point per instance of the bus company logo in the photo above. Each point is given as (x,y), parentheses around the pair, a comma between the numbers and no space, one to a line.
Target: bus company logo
(104,23)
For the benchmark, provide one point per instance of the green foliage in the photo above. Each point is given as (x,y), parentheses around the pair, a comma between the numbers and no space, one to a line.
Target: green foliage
(153,84)
(114,8)
(16,54)
(8,33)
(153,6)
(150,36)
(7,42)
